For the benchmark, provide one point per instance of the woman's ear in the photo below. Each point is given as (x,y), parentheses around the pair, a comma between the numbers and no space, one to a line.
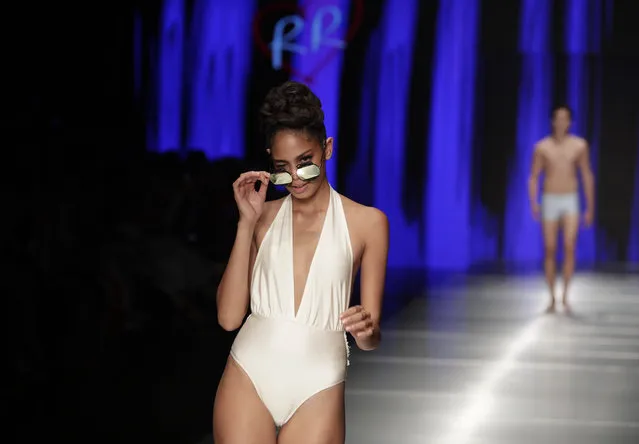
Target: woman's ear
(328,148)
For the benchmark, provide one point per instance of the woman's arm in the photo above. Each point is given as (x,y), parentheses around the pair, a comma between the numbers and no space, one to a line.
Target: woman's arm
(233,291)
(363,320)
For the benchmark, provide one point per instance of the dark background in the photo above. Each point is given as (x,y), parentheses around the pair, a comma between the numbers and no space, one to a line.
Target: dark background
(71,85)
(100,333)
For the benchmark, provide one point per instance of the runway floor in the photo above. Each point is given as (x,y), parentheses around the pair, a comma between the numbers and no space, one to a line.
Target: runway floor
(479,362)
(465,360)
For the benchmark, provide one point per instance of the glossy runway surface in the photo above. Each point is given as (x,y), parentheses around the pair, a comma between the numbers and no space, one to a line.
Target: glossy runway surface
(479,362)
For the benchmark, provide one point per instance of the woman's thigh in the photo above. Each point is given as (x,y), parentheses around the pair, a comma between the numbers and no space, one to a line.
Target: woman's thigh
(239,416)
(320,420)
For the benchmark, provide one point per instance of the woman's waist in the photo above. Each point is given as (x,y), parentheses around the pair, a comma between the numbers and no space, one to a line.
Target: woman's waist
(316,311)
(290,338)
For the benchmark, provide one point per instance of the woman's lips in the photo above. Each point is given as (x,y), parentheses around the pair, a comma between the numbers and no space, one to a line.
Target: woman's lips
(299,189)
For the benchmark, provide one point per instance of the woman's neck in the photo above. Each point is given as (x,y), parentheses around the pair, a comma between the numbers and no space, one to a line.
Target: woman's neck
(316,203)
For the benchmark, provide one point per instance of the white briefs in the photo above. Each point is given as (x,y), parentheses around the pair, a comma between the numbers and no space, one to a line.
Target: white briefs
(556,206)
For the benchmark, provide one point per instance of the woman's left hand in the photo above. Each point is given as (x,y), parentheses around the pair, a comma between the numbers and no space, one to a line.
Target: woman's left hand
(357,321)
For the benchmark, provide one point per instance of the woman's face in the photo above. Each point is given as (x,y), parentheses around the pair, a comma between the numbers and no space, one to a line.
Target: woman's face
(290,150)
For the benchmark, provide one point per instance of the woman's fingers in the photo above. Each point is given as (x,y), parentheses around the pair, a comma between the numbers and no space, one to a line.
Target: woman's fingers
(251,177)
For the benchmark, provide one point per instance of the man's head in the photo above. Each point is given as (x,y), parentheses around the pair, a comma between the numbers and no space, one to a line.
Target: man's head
(293,123)
(561,119)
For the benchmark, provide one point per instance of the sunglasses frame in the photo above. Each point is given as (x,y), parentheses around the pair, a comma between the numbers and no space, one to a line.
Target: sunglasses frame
(276,177)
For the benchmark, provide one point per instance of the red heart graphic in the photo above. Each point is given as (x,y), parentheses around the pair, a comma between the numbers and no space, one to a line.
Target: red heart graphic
(291,8)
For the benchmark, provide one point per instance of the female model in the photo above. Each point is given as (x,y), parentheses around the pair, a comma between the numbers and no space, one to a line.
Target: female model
(295,260)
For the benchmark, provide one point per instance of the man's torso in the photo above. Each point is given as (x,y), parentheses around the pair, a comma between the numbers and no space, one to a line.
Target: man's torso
(560,164)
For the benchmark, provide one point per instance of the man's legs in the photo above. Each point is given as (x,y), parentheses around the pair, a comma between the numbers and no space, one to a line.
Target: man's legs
(550,229)
(570,227)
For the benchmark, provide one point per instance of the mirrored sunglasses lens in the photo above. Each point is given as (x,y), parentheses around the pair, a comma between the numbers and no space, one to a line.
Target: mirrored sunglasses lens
(281,179)
(308,172)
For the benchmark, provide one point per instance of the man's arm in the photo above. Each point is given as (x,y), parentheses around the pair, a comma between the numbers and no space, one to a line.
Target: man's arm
(588,179)
(533,179)
(373,275)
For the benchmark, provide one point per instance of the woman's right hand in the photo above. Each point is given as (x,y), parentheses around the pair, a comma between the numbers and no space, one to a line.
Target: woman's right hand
(251,202)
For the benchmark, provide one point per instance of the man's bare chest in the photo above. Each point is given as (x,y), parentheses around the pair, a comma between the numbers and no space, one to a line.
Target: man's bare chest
(561,157)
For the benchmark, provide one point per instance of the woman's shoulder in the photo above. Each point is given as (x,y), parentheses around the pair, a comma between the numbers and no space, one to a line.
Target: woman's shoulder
(363,216)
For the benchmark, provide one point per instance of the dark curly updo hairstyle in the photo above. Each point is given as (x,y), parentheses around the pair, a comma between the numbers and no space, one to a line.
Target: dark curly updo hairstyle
(292,106)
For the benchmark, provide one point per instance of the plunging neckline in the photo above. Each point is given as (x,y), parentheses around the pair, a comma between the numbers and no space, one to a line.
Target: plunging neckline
(317,247)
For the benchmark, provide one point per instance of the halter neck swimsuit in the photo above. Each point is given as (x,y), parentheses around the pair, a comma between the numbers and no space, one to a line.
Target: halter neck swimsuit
(288,356)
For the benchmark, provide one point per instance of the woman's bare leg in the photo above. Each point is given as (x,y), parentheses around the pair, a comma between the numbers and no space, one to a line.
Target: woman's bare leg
(239,416)
(320,420)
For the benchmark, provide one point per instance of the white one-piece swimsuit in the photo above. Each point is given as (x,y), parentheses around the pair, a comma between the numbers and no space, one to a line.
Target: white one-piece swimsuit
(291,357)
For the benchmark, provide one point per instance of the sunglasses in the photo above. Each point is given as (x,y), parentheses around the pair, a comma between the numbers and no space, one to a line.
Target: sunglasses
(306,172)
